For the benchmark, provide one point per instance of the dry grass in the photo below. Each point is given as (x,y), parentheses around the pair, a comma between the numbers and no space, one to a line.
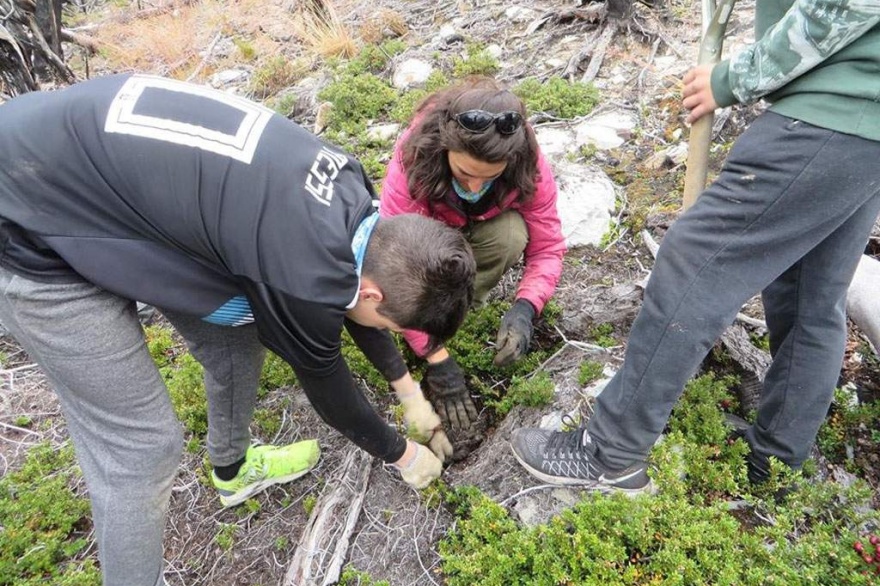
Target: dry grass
(385,23)
(319,27)
(172,38)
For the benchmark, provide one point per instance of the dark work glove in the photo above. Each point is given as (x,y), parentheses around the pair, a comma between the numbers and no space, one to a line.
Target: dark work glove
(445,388)
(515,333)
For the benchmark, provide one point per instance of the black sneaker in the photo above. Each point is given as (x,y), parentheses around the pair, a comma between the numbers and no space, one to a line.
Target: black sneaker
(568,458)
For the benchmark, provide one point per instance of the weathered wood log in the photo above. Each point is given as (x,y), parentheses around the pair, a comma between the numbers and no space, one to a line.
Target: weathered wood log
(751,364)
(323,545)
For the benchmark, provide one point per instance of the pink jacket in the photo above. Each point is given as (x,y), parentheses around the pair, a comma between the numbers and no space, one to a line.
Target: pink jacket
(543,253)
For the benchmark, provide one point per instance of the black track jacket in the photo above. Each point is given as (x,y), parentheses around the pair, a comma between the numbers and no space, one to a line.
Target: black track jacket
(202,202)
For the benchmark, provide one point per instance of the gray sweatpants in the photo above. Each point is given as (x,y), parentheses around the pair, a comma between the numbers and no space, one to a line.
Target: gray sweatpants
(128,441)
(789,216)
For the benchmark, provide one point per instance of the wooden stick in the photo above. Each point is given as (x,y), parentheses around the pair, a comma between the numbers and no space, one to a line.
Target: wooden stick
(701,130)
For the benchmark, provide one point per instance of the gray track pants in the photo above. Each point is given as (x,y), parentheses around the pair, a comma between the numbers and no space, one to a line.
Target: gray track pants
(789,216)
(127,438)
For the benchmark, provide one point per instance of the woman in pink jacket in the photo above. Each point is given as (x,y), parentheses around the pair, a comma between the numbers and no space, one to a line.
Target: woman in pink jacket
(470,159)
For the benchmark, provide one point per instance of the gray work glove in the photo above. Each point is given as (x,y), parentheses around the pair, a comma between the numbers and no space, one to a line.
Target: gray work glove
(515,333)
(447,391)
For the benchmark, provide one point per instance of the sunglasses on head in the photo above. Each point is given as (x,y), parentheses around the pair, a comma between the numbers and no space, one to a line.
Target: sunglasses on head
(480,120)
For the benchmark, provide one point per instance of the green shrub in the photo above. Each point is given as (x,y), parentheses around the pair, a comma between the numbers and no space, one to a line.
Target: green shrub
(678,536)
(686,534)
(472,349)
(186,387)
(360,366)
(309,502)
(601,335)
(530,392)
(406,104)
(246,48)
(352,577)
(589,371)
(225,537)
(357,99)
(846,426)
(374,58)
(161,345)
(276,374)
(760,341)
(183,376)
(558,97)
(43,524)
(477,61)
(711,463)
(267,422)
(284,104)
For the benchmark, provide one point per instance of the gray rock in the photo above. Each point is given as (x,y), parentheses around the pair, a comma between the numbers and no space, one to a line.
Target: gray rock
(383,132)
(863,300)
(227,77)
(520,14)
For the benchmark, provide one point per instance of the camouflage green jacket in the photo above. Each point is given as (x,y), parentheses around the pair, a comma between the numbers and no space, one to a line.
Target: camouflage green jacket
(815,60)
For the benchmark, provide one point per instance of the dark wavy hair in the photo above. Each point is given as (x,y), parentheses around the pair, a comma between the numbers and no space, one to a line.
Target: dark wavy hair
(436,133)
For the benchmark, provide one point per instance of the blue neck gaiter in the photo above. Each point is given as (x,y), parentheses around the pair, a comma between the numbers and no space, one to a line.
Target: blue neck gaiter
(471,196)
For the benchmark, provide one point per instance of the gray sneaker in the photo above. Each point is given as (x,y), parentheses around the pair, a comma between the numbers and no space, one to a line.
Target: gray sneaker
(568,458)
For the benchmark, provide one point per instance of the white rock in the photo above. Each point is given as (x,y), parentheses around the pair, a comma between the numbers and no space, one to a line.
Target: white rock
(585,203)
(555,62)
(447,31)
(383,132)
(552,421)
(528,510)
(597,387)
(665,61)
(606,131)
(227,76)
(586,195)
(494,50)
(554,140)
(519,13)
(675,155)
(601,137)
(411,73)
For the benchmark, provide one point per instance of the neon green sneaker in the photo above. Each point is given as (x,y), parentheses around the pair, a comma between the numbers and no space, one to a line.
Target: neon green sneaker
(265,466)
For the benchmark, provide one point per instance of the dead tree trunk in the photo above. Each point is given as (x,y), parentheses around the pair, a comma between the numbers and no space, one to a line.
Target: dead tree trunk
(30,45)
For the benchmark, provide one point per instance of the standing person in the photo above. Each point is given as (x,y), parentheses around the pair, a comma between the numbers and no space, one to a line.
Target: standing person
(470,160)
(220,213)
(789,216)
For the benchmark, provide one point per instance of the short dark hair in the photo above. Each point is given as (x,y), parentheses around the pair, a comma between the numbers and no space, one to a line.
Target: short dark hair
(425,270)
(436,132)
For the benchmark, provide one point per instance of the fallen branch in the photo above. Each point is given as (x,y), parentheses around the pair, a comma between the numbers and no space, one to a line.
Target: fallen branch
(206,57)
(598,55)
(330,525)
(86,42)
(594,12)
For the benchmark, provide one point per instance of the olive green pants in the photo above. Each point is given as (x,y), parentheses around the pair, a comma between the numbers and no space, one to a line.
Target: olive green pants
(497,244)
